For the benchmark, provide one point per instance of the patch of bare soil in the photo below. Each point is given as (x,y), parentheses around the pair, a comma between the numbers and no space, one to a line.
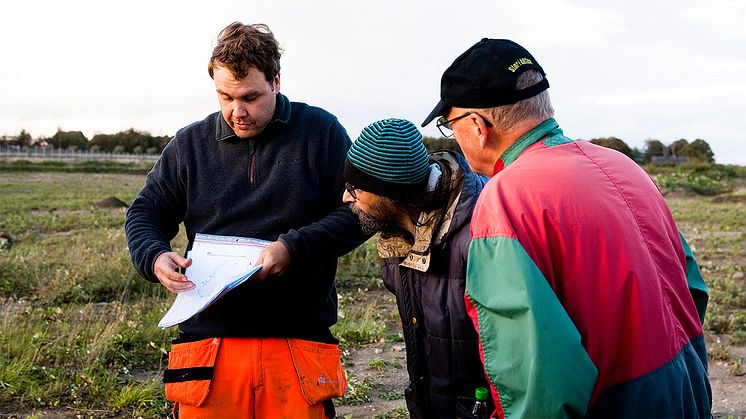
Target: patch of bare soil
(387,383)
(677,193)
(11,307)
(377,370)
(730,198)
(6,240)
(110,202)
(728,389)
(76,213)
(43,413)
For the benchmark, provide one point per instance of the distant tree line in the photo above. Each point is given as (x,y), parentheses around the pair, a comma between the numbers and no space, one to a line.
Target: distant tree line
(129,141)
(140,142)
(654,151)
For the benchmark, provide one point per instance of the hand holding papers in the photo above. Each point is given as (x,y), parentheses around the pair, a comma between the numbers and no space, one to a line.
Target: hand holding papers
(219,264)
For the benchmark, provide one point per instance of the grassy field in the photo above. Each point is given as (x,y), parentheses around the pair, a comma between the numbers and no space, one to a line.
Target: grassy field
(78,333)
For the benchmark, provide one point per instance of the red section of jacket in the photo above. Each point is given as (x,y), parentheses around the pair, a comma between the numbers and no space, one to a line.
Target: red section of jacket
(599,230)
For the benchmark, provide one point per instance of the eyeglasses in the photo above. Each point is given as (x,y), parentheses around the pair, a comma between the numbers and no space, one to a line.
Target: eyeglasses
(444,125)
(351,190)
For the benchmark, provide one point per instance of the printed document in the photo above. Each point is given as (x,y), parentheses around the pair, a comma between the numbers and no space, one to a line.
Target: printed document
(219,264)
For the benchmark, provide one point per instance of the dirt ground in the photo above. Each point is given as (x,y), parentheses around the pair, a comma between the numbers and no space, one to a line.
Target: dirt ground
(392,379)
(728,390)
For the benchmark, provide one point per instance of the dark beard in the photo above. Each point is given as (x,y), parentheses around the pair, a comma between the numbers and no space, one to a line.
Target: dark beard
(371,225)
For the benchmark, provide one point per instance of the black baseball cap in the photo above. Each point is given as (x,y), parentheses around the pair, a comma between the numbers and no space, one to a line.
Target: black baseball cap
(484,77)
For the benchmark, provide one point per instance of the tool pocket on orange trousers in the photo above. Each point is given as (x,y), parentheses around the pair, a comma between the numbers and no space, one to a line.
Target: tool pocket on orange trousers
(319,369)
(190,369)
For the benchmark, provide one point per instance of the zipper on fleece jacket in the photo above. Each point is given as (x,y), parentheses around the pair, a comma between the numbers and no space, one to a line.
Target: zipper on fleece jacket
(252,160)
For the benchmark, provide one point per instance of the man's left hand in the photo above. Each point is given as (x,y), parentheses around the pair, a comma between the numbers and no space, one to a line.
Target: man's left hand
(274,260)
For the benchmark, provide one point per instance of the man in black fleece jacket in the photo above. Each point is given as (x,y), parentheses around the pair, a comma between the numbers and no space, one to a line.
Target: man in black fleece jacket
(267,168)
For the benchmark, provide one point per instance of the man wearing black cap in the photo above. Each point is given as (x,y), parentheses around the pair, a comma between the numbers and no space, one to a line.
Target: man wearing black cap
(587,299)
(422,206)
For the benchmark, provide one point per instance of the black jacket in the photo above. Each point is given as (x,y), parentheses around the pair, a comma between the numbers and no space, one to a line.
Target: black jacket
(442,346)
(287,184)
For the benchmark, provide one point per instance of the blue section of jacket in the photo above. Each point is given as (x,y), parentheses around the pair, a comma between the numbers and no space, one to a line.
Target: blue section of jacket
(678,389)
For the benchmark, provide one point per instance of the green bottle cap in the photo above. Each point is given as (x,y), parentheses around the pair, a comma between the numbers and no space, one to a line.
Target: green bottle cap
(480,393)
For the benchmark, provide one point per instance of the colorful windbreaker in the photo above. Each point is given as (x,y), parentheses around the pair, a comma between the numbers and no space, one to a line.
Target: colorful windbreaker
(587,299)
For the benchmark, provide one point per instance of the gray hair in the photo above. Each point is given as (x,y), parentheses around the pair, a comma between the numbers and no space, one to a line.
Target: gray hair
(538,107)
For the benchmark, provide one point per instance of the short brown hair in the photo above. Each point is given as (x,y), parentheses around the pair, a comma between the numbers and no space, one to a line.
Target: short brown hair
(241,47)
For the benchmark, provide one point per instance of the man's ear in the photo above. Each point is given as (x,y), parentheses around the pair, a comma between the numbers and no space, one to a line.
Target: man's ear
(481,130)
(276,83)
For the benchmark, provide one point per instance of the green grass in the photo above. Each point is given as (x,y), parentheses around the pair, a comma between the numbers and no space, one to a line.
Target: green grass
(716,232)
(78,326)
(700,178)
(360,268)
(138,398)
(358,324)
(377,364)
(358,391)
(83,166)
(398,413)
(393,395)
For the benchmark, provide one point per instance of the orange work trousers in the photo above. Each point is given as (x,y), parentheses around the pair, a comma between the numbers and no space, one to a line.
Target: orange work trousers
(253,378)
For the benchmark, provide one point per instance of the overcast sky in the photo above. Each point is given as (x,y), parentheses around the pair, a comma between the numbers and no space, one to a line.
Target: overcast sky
(630,69)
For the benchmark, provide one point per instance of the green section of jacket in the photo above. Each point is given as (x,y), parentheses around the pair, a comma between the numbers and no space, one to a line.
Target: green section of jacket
(532,351)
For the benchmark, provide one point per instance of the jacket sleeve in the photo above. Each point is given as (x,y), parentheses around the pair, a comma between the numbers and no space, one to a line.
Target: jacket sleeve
(697,287)
(338,232)
(153,219)
(532,352)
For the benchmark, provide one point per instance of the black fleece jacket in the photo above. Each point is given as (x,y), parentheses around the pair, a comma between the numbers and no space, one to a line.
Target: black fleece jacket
(442,345)
(287,184)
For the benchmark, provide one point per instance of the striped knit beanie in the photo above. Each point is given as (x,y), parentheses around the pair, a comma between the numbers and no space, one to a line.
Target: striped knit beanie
(388,159)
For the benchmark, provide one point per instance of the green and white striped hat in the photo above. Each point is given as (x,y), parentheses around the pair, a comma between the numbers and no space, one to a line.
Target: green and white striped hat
(388,159)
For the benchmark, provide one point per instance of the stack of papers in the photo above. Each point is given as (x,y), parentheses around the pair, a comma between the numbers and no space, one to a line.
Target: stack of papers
(219,264)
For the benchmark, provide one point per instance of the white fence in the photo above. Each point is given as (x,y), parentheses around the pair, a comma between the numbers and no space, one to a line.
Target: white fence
(49,154)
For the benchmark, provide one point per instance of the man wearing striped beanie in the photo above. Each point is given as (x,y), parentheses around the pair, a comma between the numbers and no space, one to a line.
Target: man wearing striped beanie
(421,204)
(388,160)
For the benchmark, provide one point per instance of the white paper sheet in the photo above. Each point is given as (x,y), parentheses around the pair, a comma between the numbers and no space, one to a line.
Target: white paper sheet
(219,264)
